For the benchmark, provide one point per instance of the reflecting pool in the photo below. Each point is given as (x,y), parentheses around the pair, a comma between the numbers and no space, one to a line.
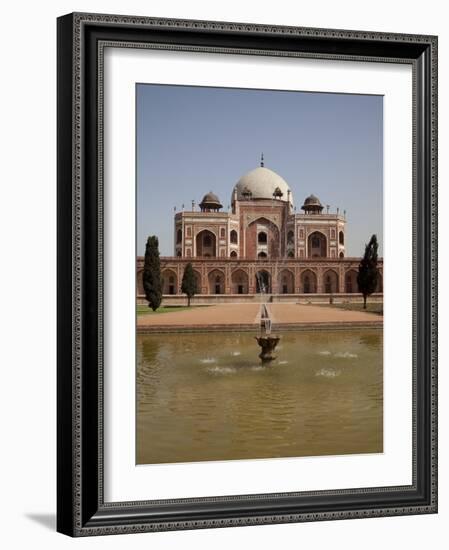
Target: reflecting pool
(207,396)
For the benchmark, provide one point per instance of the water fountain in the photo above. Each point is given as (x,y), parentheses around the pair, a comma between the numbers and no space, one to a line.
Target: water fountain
(266,340)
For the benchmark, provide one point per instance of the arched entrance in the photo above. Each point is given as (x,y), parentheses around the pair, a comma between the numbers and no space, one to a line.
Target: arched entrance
(216,282)
(286,282)
(263,282)
(239,280)
(330,282)
(308,282)
(317,245)
(351,285)
(206,244)
(262,236)
(169,282)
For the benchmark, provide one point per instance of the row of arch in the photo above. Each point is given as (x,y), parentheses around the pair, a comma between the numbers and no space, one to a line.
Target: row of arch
(206,243)
(309,282)
(206,234)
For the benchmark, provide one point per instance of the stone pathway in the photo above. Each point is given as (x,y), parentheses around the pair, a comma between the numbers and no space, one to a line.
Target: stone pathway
(223,314)
(297,313)
(247,317)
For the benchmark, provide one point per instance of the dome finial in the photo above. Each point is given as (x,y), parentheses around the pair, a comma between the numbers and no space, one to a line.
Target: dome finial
(261,159)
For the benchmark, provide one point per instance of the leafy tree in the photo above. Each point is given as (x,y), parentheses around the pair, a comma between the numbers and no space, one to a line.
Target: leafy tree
(152,282)
(368,274)
(188,285)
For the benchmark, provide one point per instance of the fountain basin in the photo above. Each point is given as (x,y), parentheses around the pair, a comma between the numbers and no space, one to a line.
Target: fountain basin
(289,408)
(268,344)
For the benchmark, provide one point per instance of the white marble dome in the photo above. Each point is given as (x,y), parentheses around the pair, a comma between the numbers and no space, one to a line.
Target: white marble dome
(262,183)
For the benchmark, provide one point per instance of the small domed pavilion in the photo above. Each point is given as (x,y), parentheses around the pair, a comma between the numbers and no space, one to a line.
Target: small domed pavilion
(312,205)
(210,203)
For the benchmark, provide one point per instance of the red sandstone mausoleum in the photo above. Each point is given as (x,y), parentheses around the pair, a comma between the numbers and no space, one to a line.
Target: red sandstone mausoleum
(261,245)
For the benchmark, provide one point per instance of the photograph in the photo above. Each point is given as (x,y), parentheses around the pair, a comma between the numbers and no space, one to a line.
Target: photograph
(246,273)
(259,273)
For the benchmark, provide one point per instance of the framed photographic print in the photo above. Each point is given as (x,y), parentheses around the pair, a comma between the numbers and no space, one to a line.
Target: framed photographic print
(247,293)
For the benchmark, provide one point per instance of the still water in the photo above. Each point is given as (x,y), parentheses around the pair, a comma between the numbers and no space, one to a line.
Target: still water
(207,397)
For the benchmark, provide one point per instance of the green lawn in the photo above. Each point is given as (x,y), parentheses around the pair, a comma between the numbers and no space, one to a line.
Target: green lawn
(145,310)
(373,307)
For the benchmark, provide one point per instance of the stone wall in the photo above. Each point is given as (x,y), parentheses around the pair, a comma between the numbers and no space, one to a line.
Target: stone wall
(213,299)
(286,277)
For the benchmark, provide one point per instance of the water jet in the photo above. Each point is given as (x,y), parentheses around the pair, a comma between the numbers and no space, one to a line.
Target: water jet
(266,340)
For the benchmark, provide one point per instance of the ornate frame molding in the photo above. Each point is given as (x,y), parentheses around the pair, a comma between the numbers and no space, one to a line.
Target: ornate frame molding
(81,40)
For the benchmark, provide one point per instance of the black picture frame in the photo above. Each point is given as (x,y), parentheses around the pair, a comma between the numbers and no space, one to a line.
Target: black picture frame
(81,510)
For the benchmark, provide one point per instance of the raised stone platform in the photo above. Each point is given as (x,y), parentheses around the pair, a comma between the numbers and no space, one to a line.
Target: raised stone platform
(212,299)
(246,317)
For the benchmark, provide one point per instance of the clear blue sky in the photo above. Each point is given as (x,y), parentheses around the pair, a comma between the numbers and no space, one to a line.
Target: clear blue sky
(191,140)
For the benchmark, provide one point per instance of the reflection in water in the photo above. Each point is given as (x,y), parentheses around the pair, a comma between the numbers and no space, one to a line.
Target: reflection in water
(207,397)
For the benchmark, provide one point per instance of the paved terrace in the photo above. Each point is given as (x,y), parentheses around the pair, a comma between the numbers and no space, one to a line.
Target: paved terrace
(282,314)
(220,317)
(234,317)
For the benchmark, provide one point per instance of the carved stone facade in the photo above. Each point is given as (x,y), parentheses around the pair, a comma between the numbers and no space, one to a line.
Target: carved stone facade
(288,276)
(261,244)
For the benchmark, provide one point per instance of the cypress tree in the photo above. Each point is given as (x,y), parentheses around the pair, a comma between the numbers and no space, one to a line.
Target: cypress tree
(152,282)
(188,285)
(368,273)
